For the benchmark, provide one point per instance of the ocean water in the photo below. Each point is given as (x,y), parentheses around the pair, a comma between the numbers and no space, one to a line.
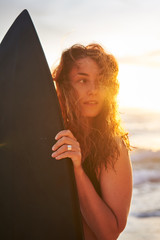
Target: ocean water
(144,217)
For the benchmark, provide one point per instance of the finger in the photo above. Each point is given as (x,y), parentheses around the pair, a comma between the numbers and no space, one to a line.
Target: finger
(63,149)
(73,155)
(64,141)
(66,133)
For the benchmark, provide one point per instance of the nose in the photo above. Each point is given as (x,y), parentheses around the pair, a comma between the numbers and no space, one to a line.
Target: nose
(93,88)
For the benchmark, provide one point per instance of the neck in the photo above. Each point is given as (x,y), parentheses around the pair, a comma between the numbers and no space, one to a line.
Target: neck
(90,121)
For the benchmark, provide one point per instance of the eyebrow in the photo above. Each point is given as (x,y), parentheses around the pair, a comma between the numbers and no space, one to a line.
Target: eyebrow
(83,74)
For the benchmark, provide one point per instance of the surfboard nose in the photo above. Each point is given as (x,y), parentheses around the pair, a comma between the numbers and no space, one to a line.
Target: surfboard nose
(38,195)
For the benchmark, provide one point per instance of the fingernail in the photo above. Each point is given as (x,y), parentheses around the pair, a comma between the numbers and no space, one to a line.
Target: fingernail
(53,147)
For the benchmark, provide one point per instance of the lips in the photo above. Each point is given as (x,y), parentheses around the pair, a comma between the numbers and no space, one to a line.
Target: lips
(91,102)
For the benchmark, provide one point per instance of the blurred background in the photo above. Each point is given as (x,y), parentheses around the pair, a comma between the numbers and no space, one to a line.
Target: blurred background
(129,29)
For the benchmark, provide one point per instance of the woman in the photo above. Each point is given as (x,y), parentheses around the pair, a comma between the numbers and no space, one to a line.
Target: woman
(87,86)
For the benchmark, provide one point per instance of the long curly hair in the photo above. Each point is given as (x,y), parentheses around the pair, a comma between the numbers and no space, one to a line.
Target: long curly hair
(99,140)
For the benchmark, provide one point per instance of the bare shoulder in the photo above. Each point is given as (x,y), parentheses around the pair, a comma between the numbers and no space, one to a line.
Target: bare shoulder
(122,164)
(116,185)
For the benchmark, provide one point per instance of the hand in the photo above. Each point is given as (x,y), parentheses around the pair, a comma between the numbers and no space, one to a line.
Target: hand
(65,141)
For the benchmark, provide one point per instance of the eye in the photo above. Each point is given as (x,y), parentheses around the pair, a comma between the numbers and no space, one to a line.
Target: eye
(82,81)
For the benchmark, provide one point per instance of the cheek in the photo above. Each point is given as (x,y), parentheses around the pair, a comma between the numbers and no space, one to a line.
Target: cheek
(76,92)
(80,93)
(102,95)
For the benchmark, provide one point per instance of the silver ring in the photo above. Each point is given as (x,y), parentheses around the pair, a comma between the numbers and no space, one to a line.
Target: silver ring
(69,147)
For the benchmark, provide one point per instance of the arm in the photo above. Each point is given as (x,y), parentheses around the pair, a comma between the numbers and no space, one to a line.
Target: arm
(97,214)
(106,217)
(116,187)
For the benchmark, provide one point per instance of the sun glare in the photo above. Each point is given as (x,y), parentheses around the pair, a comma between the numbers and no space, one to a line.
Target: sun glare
(139,87)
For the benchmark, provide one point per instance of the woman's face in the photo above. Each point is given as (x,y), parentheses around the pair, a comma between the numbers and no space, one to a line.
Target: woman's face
(84,77)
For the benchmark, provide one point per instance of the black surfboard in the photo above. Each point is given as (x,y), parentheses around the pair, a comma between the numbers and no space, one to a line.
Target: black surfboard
(38,196)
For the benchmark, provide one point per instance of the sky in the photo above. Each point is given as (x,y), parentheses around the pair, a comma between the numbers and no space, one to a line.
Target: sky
(129,29)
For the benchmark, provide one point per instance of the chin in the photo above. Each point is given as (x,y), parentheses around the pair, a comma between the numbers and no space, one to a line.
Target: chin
(91,115)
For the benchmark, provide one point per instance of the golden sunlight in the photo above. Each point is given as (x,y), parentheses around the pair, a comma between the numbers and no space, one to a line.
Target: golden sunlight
(139,87)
